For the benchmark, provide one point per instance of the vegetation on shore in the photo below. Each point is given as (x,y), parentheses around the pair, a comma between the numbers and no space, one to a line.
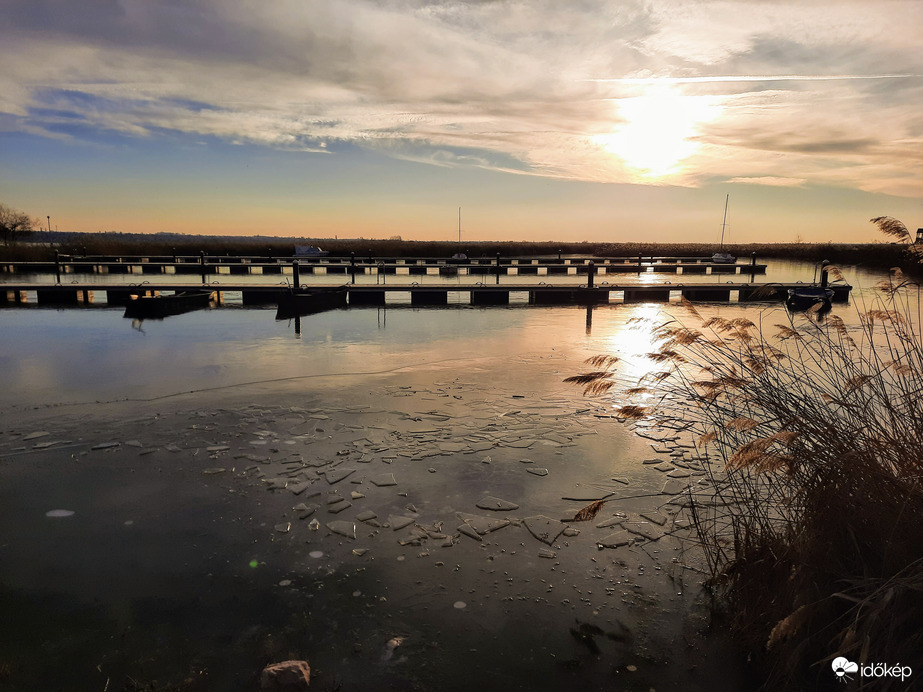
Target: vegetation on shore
(811,433)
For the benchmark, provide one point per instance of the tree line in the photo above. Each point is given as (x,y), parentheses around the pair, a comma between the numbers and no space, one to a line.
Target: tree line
(15,224)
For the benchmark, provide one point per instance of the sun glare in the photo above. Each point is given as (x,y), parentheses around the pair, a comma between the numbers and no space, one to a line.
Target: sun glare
(659,131)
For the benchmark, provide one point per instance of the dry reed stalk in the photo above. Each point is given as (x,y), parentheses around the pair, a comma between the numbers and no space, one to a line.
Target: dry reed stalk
(820,430)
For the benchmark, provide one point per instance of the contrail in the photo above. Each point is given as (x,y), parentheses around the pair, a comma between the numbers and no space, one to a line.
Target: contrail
(748,78)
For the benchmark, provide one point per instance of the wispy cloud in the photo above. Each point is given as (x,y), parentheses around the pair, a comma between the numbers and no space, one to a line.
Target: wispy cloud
(769,180)
(827,93)
(748,78)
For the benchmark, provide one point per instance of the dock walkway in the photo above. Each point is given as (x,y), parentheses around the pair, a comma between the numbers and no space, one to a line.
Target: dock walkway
(362,294)
(208,265)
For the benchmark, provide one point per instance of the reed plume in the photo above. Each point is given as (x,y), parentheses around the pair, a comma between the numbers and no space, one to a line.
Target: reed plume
(814,535)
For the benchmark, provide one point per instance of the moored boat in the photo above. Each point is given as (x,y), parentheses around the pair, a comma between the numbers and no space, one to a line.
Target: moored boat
(160,306)
(806,297)
(811,296)
(722,257)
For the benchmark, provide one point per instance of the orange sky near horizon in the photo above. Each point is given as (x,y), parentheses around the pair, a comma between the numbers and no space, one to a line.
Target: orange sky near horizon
(611,120)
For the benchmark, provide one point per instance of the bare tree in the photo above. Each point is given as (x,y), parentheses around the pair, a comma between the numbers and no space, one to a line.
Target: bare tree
(14,223)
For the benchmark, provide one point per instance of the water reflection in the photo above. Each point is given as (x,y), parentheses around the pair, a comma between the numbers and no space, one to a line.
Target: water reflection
(87,354)
(630,338)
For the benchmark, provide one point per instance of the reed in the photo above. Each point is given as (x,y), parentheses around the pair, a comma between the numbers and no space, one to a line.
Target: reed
(811,435)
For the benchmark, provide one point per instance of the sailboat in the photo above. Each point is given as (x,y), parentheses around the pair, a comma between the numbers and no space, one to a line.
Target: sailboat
(459,256)
(451,267)
(722,257)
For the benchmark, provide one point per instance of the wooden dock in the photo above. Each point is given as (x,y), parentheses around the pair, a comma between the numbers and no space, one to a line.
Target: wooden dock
(216,265)
(432,295)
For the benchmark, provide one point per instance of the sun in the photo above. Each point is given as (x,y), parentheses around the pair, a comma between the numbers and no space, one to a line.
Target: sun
(659,130)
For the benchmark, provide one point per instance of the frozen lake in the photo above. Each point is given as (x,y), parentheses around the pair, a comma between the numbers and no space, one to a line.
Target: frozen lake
(187,500)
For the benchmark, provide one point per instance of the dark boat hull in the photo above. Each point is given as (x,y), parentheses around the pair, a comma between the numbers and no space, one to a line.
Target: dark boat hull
(307,302)
(158,307)
(808,297)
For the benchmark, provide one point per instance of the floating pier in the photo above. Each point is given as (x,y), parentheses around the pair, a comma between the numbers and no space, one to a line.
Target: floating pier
(212,265)
(423,295)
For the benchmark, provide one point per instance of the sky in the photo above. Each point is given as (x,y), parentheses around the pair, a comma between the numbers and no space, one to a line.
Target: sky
(598,120)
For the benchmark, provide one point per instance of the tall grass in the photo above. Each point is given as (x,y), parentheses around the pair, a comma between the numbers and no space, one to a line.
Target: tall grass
(811,433)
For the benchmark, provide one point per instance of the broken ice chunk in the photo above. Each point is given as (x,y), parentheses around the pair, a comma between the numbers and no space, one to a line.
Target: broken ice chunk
(338,507)
(656,517)
(611,521)
(336,475)
(384,480)
(544,528)
(482,525)
(615,540)
(105,445)
(343,528)
(496,504)
(299,487)
(398,521)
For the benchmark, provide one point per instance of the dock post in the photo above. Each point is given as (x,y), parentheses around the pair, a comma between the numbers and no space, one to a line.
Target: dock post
(352,266)
(498,267)
(296,275)
(57,266)
(202,264)
(752,267)
(591,274)
(823,273)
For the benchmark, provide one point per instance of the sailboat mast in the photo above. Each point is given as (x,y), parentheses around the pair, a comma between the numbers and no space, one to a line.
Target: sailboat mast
(723,223)
(459,225)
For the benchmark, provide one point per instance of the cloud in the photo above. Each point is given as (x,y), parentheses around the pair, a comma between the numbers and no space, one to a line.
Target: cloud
(772,181)
(824,92)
